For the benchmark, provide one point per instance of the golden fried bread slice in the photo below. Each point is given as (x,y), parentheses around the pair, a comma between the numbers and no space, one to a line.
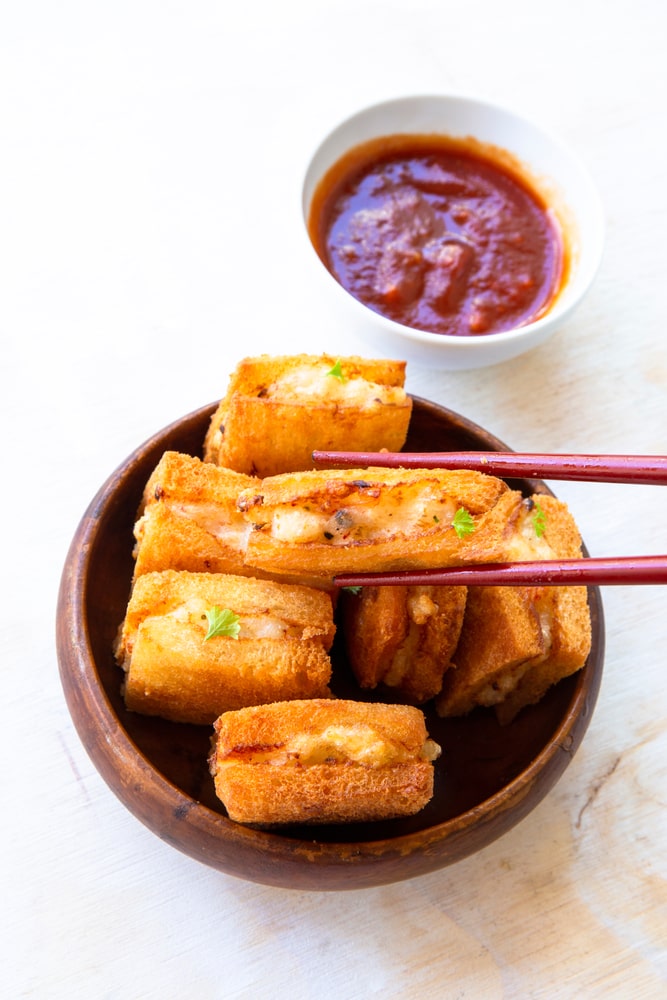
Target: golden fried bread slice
(565,610)
(502,632)
(322,761)
(516,642)
(278,410)
(189,520)
(174,671)
(570,646)
(402,637)
(355,520)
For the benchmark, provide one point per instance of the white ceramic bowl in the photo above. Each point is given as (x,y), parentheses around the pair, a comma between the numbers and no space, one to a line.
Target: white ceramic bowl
(551,168)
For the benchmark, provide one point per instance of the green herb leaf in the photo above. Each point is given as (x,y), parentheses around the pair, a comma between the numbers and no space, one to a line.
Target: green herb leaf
(352,590)
(337,372)
(462,523)
(539,520)
(222,621)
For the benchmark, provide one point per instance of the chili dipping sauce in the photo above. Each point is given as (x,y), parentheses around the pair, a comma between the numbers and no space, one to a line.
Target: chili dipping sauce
(438,236)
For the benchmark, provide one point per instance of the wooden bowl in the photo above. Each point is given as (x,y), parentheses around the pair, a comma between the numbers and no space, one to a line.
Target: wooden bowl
(487,779)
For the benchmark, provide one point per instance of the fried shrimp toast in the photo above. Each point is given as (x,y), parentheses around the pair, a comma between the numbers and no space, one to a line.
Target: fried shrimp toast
(570,644)
(501,634)
(174,671)
(402,637)
(188,519)
(322,761)
(356,520)
(516,642)
(278,410)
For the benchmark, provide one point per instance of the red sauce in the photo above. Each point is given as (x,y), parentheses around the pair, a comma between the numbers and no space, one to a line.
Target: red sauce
(437,236)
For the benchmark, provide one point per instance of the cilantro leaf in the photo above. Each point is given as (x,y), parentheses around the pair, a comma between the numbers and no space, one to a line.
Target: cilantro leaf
(222,621)
(337,372)
(462,523)
(539,520)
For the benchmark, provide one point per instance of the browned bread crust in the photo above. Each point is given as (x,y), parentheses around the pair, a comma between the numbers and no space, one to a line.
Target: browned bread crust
(569,616)
(278,410)
(173,672)
(322,761)
(403,637)
(501,633)
(188,519)
(353,520)
(516,642)
(570,646)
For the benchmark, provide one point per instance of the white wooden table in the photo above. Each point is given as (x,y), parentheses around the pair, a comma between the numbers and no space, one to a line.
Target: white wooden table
(150,237)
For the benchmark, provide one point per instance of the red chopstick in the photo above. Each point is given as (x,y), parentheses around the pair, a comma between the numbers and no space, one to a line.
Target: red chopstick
(621,570)
(648,470)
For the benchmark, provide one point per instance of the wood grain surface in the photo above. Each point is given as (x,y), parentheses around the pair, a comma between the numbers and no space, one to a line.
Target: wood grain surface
(152,157)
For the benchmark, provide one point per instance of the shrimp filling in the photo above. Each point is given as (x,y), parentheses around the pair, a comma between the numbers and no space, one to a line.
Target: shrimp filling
(314,381)
(364,517)
(340,744)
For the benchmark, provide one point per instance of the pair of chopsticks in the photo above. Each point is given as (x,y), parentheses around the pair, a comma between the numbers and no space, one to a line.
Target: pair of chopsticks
(648,470)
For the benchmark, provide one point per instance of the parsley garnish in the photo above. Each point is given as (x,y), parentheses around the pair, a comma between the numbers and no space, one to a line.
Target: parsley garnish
(539,520)
(222,621)
(462,523)
(337,372)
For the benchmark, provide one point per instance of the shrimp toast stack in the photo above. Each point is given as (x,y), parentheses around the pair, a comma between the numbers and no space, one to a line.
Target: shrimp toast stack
(235,604)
